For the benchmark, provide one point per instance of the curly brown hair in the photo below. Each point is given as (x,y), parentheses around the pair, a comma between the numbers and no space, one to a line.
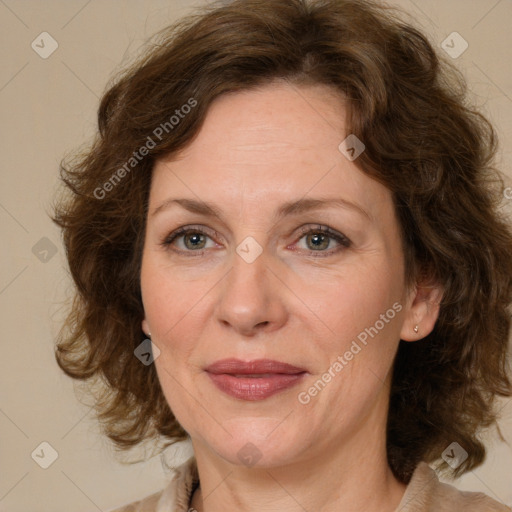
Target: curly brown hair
(423,141)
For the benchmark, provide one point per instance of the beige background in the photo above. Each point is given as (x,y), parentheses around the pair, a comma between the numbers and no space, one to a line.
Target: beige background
(48,107)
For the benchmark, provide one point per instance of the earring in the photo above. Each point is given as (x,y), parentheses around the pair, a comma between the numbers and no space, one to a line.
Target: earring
(416,329)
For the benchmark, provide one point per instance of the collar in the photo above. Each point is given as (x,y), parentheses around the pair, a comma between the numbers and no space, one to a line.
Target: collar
(424,493)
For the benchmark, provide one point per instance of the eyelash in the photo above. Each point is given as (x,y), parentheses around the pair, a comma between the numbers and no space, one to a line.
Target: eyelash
(325,230)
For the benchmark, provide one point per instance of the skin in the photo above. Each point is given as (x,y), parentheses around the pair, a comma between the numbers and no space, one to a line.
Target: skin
(256,150)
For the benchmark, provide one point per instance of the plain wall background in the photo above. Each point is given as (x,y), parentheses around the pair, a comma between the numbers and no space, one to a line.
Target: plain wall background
(48,108)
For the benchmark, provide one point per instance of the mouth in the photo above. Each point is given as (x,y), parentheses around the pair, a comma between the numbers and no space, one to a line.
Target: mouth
(254,380)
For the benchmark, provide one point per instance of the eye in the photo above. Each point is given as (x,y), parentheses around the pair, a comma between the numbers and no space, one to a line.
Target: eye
(192,238)
(320,238)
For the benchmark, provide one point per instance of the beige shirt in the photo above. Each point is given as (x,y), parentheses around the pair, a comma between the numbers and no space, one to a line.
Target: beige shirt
(425,493)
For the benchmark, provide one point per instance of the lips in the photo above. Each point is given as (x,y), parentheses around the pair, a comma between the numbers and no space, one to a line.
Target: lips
(258,367)
(254,380)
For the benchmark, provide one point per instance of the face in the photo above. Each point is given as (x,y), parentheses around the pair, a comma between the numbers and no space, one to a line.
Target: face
(270,274)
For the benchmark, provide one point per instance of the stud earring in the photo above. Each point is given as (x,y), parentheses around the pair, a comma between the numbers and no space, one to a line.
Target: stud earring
(416,329)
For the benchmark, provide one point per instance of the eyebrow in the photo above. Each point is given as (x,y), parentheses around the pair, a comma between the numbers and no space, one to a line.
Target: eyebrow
(289,208)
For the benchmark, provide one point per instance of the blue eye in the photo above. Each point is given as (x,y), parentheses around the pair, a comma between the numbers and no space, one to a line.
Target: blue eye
(321,237)
(194,240)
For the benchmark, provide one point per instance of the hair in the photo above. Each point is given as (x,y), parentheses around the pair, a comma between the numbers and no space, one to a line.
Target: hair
(424,142)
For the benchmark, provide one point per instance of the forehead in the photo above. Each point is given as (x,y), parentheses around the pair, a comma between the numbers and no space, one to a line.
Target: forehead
(269,144)
(270,123)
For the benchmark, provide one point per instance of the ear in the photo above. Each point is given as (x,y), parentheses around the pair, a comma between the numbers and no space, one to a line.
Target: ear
(145,328)
(422,310)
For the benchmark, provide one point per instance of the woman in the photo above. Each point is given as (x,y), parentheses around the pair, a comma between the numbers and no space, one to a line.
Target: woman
(293,202)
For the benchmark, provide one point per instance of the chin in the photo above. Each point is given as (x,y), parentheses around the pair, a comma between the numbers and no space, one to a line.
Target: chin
(256,442)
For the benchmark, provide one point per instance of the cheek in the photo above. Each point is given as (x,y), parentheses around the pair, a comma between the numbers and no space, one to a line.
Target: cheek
(348,302)
(175,308)
(357,325)
(169,300)
(170,309)
(362,315)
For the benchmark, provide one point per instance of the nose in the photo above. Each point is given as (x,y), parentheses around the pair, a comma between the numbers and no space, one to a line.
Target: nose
(252,297)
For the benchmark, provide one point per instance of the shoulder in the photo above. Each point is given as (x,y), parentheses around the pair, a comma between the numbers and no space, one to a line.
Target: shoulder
(174,498)
(148,504)
(425,493)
